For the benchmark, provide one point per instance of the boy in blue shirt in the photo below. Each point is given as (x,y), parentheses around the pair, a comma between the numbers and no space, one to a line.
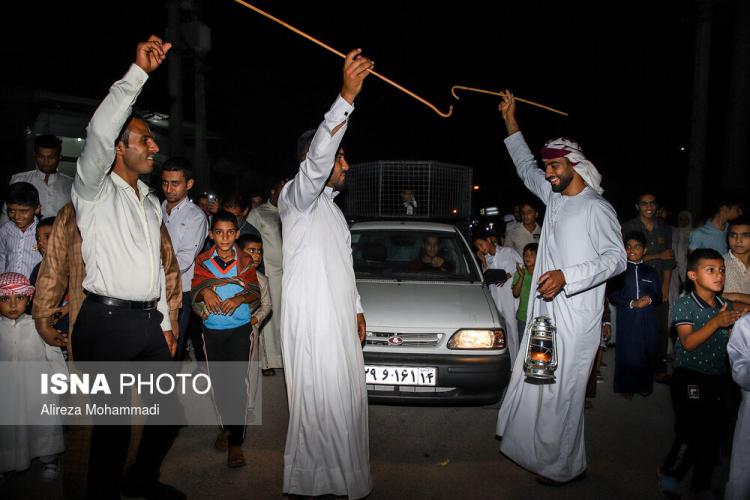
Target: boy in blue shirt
(703,320)
(224,292)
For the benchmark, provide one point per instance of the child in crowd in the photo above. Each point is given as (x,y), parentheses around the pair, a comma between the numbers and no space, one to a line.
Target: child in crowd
(737,260)
(225,291)
(18,252)
(253,246)
(506,260)
(19,342)
(636,293)
(522,284)
(699,383)
(738,486)
(43,230)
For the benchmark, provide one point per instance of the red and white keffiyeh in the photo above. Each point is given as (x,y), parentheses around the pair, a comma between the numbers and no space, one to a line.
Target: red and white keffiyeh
(562,147)
(15,284)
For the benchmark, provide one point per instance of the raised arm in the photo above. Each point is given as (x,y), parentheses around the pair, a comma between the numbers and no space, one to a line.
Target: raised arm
(526,166)
(315,169)
(99,151)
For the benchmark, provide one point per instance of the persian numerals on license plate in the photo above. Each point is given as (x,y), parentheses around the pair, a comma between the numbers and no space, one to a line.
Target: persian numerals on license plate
(400,375)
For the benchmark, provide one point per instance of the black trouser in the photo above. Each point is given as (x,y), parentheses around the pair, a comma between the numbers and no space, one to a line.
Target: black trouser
(700,422)
(109,333)
(662,322)
(190,329)
(229,382)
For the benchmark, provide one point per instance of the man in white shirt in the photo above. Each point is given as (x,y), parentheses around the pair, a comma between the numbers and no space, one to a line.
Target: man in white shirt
(52,186)
(125,314)
(265,218)
(528,231)
(322,321)
(187,226)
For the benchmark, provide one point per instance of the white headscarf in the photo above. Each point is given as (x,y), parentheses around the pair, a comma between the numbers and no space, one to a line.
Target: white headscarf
(568,148)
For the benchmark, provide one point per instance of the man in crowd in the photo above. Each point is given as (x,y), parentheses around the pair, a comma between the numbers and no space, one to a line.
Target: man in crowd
(52,186)
(125,315)
(61,276)
(660,256)
(266,219)
(187,226)
(322,323)
(528,231)
(713,234)
(579,250)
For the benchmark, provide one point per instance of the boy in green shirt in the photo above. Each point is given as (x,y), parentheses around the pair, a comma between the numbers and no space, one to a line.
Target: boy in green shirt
(522,285)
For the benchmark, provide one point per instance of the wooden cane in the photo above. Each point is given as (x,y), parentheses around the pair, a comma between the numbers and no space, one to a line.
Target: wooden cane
(482,91)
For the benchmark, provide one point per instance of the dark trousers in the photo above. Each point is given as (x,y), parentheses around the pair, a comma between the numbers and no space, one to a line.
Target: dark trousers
(662,335)
(700,422)
(108,333)
(189,330)
(229,381)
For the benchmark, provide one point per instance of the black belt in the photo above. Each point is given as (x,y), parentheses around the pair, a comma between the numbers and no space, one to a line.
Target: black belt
(144,305)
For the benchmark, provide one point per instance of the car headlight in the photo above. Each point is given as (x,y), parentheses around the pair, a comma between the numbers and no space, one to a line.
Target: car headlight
(478,339)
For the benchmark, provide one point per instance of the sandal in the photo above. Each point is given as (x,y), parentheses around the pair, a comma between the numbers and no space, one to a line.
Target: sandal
(235,457)
(222,441)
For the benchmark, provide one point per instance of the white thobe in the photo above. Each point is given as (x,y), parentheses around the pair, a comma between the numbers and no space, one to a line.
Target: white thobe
(738,486)
(327,444)
(20,444)
(542,425)
(267,221)
(506,258)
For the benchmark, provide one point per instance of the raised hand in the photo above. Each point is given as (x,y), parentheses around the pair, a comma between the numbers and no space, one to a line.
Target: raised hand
(726,318)
(150,54)
(507,108)
(356,69)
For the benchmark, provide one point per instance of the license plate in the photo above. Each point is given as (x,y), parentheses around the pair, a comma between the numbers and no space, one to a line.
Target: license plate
(400,375)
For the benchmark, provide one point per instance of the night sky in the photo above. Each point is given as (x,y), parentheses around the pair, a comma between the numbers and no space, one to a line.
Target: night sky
(623,70)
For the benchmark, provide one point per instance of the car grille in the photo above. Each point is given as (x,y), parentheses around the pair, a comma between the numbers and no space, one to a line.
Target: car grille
(396,340)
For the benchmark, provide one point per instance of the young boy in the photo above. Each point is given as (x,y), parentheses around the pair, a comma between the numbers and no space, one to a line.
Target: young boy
(225,291)
(253,246)
(737,261)
(505,259)
(635,294)
(522,285)
(19,342)
(18,236)
(699,382)
(43,230)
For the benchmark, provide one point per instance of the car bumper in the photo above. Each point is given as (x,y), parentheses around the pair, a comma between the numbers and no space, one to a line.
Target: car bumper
(461,379)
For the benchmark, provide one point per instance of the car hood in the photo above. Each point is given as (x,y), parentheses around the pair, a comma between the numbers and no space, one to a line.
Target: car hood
(427,305)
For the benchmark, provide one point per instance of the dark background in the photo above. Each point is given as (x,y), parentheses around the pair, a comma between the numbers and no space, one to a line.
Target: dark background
(623,70)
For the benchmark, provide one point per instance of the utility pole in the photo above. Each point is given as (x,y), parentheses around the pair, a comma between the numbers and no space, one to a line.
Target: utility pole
(699,127)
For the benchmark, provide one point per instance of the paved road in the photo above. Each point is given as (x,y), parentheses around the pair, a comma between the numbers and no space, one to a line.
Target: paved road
(427,453)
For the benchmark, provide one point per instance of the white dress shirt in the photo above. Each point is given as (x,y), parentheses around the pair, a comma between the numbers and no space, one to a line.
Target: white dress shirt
(53,194)
(18,250)
(120,228)
(187,226)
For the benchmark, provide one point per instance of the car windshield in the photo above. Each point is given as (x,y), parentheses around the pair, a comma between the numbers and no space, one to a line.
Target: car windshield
(412,255)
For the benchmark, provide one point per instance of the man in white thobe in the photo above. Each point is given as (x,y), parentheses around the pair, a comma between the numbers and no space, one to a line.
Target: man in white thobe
(580,248)
(266,219)
(738,486)
(327,444)
(507,259)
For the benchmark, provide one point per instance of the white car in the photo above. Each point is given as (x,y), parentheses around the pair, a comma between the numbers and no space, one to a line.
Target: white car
(434,335)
